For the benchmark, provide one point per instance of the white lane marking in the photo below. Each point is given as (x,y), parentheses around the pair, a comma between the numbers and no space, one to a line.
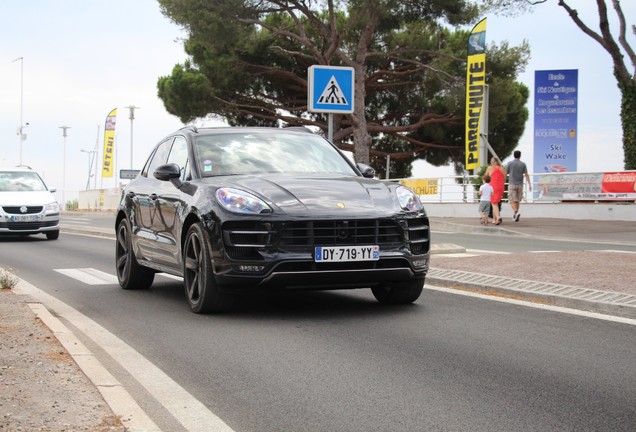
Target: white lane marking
(76,220)
(560,309)
(187,410)
(483,251)
(611,251)
(89,276)
(544,251)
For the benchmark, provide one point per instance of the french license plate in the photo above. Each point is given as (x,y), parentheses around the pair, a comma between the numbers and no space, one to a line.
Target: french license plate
(346,253)
(24,218)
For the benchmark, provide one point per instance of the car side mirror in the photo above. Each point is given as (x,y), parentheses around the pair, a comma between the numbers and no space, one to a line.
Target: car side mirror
(366,170)
(169,172)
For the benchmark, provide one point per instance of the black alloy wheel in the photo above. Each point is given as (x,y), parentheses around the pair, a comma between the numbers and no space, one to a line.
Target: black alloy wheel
(129,273)
(199,282)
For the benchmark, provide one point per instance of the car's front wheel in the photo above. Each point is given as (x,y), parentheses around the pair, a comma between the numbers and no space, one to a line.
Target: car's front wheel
(129,273)
(52,235)
(399,292)
(200,284)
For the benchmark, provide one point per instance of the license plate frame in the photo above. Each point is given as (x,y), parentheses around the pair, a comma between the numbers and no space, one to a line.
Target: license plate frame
(24,218)
(332,254)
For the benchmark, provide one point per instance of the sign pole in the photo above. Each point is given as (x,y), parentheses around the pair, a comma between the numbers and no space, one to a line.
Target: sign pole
(330,90)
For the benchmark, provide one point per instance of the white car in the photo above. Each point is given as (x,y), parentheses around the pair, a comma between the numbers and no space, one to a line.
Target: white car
(27,206)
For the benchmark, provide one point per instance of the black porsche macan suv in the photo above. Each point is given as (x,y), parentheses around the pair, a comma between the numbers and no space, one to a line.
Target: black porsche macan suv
(237,209)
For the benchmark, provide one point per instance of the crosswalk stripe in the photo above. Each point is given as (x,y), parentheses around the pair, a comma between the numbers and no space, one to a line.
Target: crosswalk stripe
(89,276)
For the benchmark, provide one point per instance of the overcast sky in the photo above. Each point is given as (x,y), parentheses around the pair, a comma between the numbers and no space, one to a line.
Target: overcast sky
(83,58)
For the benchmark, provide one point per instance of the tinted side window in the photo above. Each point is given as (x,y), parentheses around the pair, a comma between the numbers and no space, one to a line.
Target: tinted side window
(159,157)
(179,155)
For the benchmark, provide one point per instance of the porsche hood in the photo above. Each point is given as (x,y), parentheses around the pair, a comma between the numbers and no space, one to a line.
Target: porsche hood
(317,194)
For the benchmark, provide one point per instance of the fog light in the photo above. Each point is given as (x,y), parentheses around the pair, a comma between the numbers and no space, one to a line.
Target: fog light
(250,268)
(420,263)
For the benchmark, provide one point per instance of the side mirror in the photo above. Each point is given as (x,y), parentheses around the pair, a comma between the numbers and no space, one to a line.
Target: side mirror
(169,172)
(366,170)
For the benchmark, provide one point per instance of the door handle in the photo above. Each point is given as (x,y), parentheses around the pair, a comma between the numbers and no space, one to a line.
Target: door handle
(153,197)
(131,195)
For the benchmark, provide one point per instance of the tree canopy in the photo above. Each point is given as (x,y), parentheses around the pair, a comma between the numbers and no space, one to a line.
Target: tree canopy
(248,60)
(615,42)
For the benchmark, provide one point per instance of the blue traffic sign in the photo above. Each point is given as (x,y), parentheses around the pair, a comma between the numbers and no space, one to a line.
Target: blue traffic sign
(330,89)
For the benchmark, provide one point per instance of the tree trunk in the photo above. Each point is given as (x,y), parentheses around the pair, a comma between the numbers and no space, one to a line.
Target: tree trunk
(628,119)
(361,137)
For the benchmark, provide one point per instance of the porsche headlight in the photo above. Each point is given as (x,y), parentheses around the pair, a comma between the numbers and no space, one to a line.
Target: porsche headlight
(238,201)
(408,200)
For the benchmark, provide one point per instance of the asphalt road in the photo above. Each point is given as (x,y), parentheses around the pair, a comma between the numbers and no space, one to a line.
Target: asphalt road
(338,361)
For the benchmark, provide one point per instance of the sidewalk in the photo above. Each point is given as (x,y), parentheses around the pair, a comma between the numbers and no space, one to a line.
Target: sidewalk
(43,388)
(596,281)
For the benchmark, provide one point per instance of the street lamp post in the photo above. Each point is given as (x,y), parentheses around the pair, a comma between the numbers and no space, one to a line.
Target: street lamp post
(90,154)
(132,109)
(20,133)
(64,129)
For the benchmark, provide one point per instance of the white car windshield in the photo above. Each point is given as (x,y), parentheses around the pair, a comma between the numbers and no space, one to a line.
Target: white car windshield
(258,153)
(19,181)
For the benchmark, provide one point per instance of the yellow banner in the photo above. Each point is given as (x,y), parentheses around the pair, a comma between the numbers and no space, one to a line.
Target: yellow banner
(475,91)
(422,186)
(108,161)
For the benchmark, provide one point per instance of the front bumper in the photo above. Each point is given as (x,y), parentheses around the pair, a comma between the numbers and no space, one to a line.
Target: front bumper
(271,255)
(28,224)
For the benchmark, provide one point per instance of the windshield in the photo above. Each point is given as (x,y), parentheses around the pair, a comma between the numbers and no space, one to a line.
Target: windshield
(267,152)
(16,181)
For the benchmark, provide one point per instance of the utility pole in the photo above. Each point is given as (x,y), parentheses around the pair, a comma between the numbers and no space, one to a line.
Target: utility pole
(20,132)
(64,129)
(132,109)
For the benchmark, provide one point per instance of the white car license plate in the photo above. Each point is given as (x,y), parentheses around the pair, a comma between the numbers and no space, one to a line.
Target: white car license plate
(346,253)
(24,218)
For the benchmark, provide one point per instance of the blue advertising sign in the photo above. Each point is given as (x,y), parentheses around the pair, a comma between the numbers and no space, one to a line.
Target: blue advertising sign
(555,120)
(330,89)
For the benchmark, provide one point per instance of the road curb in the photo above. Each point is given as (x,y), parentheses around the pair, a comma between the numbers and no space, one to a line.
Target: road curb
(115,395)
(606,302)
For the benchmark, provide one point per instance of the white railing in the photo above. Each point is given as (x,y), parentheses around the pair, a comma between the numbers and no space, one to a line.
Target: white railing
(458,189)
(546,187)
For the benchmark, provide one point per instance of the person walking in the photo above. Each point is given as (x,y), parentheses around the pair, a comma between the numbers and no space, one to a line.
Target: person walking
(517,170)
(485,191)
(497,175)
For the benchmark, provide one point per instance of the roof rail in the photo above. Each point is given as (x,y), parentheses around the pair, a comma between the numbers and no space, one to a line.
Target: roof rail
(299,128)
(193,128)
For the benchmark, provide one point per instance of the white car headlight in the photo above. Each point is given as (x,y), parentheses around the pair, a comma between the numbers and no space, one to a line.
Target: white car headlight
(238,201)
(53,207)
(408,200)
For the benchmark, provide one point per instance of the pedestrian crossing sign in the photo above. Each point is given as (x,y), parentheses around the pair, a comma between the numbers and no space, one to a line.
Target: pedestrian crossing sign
(330,89)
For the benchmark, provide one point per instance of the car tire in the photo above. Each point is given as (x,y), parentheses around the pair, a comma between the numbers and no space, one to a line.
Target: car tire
(201,288)
(52,235)
(399,292)
(129,273)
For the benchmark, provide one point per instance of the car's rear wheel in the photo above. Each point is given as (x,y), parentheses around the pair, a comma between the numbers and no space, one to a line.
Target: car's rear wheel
(399,292)
(52,235)
(200,284)
(129,273)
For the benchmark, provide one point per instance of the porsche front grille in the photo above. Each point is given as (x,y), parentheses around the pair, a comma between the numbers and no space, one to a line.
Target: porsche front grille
(241,239)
